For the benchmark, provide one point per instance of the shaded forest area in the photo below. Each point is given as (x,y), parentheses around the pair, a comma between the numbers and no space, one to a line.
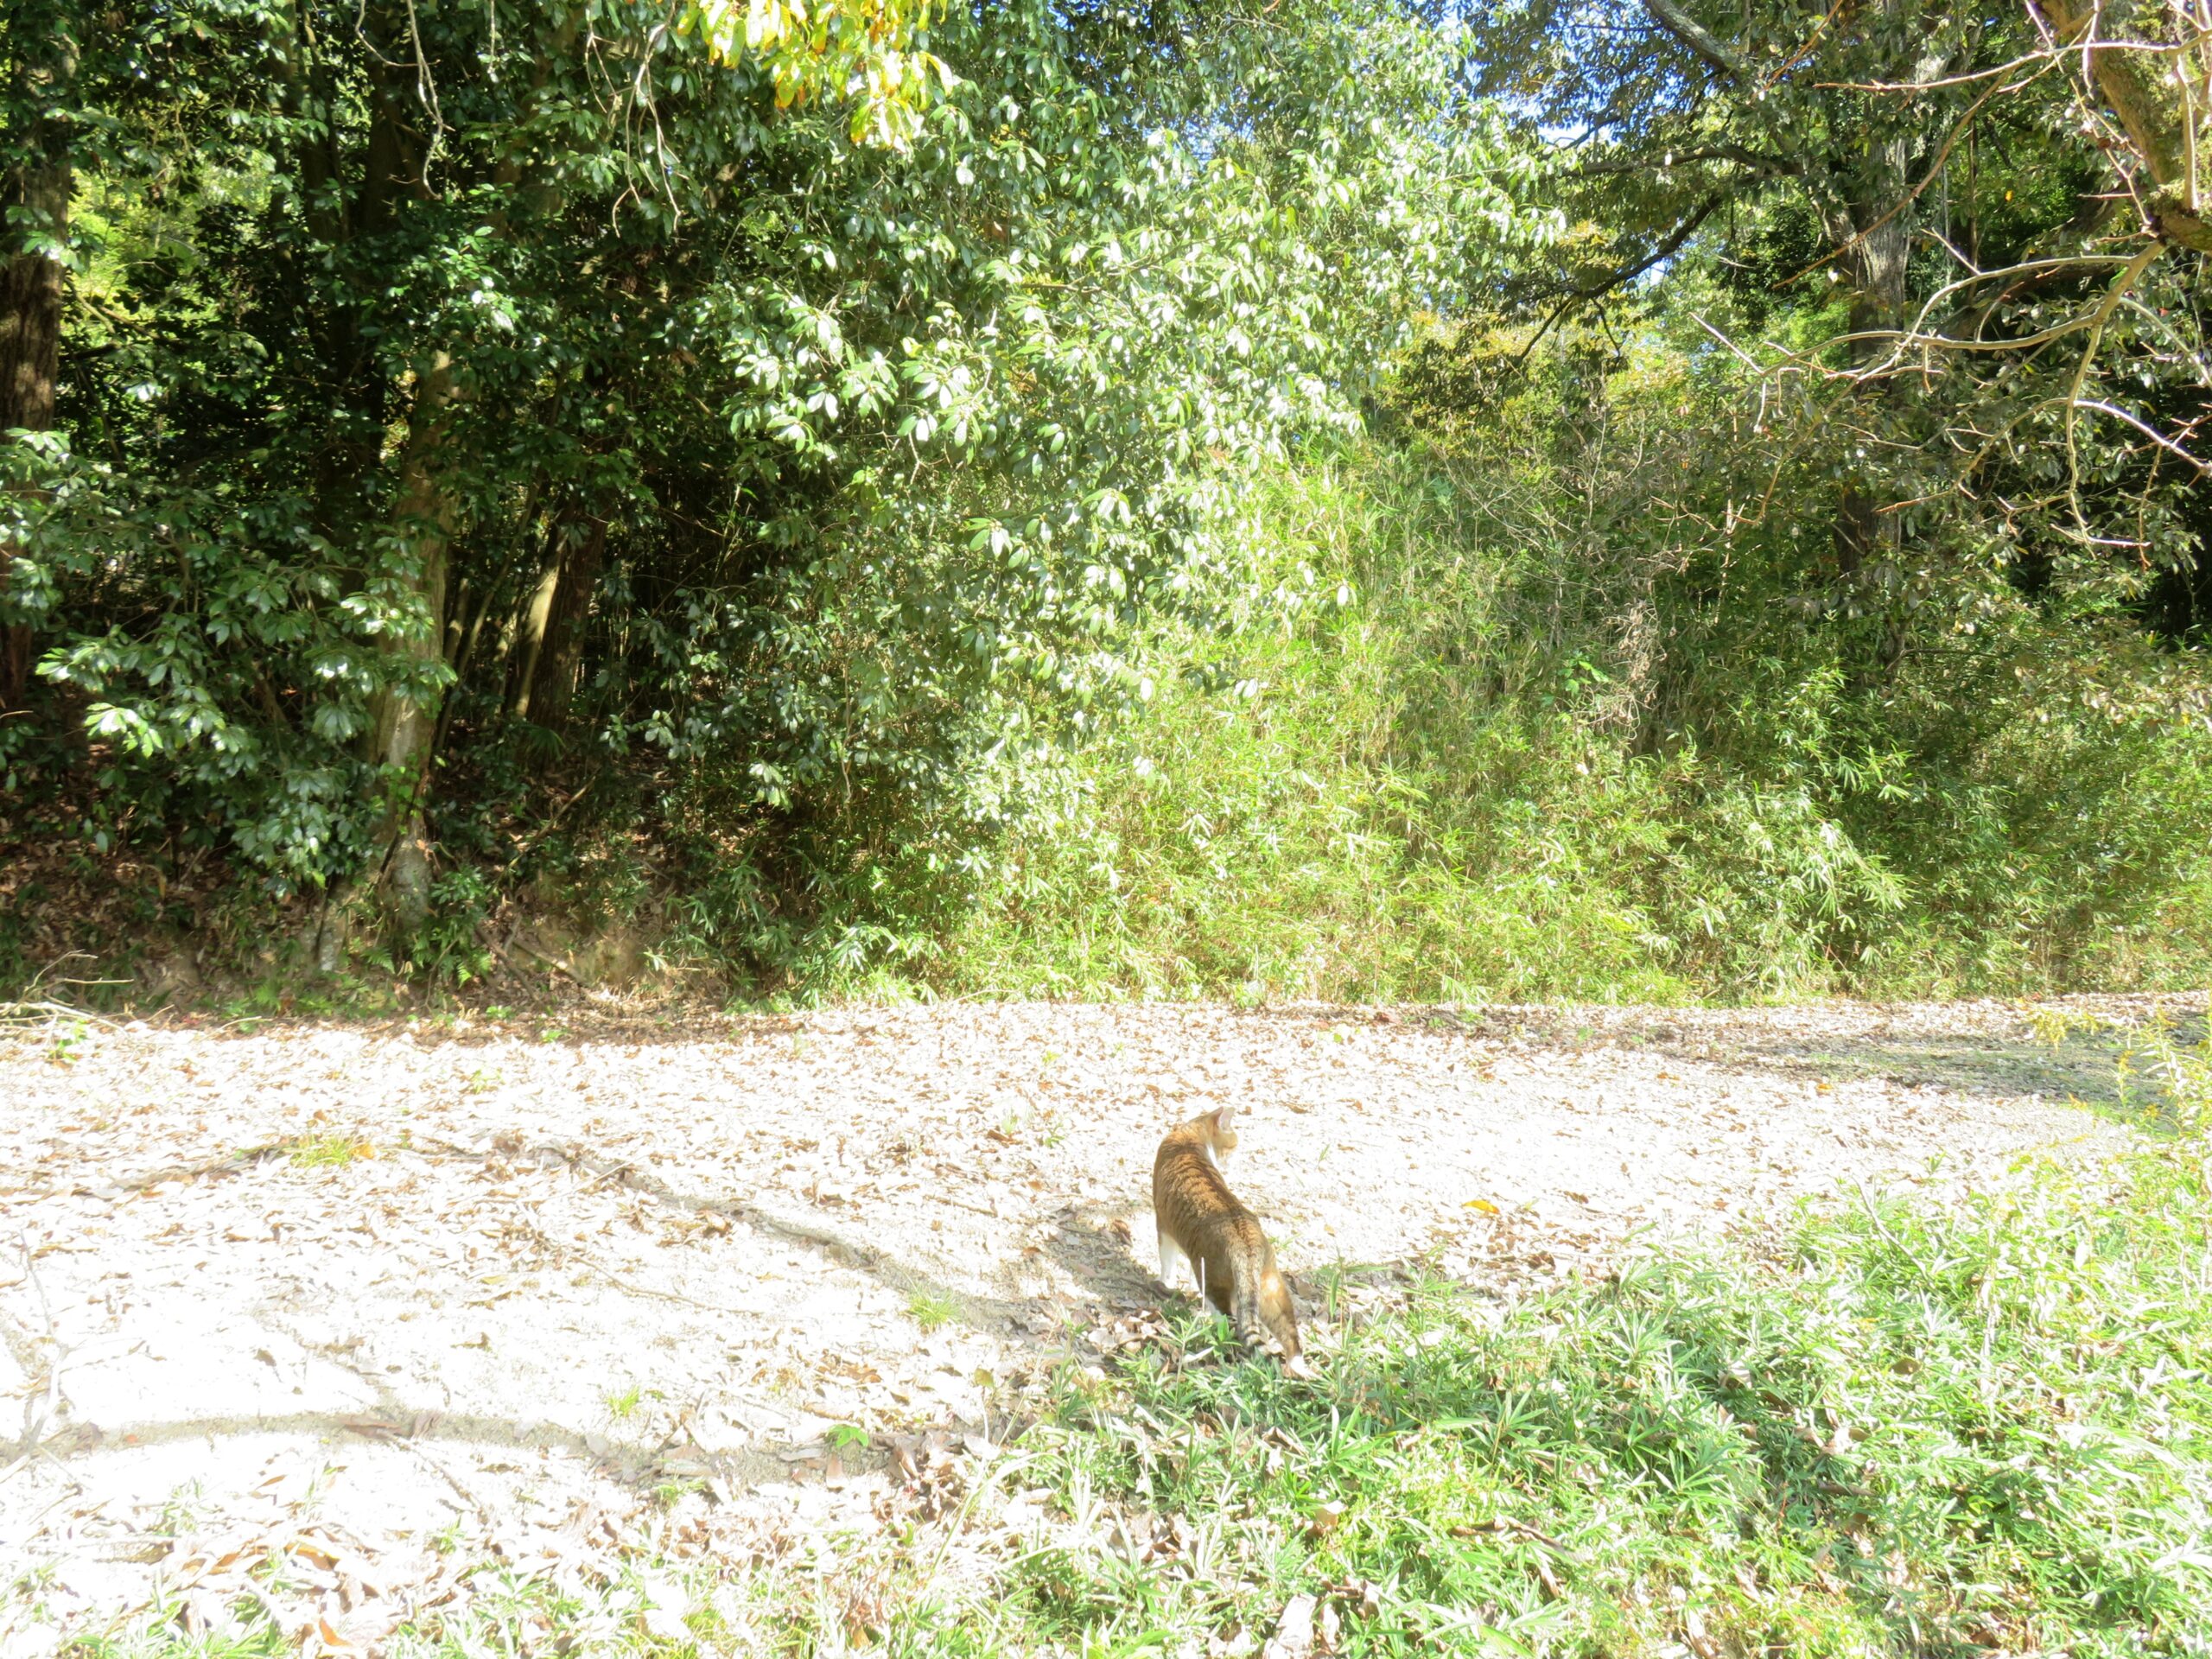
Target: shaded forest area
(1519,498)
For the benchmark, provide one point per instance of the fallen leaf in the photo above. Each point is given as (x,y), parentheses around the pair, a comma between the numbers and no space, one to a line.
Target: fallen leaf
(665,1624)
(1293,1636)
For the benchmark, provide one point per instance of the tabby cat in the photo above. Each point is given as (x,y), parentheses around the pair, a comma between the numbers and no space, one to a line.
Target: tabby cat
(1204,1229)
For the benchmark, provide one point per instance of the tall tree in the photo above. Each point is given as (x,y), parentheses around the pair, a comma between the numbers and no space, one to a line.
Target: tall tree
(40,58)
(1981,186)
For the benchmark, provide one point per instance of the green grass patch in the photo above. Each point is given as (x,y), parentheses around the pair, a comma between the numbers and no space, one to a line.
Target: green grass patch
(666,1609)
(1923,1431)
(931,1312)
(622,1403)
(329,1151)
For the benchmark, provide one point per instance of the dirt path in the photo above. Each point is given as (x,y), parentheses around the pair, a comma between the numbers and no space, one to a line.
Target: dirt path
(554,1293)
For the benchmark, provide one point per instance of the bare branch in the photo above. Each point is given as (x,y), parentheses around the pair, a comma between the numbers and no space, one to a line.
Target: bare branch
(1762,166)
(2204,468)
(2120,284)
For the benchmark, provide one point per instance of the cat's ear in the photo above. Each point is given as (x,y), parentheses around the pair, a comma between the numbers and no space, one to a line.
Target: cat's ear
(1224,1120)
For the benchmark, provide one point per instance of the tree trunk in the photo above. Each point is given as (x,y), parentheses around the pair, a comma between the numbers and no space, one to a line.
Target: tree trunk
(2140,87)
(1882,218)
(1877,313)
(552,684)
(404,719)
(537,617)
(352,194)
(35,197)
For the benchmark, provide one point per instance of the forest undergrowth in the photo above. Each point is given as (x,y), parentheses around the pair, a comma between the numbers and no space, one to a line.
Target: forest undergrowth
(1450,756)
(1455,727)
(1467,715)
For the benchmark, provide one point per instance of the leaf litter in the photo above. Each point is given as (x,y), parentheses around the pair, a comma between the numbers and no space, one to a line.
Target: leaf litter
(335,1319)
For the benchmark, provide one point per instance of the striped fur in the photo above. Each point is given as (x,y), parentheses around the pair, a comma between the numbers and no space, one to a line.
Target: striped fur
(1204,1229)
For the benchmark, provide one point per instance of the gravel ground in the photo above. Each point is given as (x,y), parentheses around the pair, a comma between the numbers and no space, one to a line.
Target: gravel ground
(355,1296)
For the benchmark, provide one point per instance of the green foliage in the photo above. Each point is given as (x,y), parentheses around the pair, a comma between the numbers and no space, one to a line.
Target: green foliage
(831,45)
(1505,705)
(449,948)
(1325,803)
(871,494)
(858,466)
(1973,355)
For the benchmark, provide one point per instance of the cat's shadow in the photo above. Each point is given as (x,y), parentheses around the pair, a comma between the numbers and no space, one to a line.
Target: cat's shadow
(1102,1248)
(1105,1248)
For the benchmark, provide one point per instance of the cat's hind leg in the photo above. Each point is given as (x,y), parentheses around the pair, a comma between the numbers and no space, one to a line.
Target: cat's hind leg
(1172,1263)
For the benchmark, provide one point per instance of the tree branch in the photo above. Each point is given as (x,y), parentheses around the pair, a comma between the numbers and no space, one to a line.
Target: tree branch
(2146,114)
(1693,35)
(1626,274)
(1761,166)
